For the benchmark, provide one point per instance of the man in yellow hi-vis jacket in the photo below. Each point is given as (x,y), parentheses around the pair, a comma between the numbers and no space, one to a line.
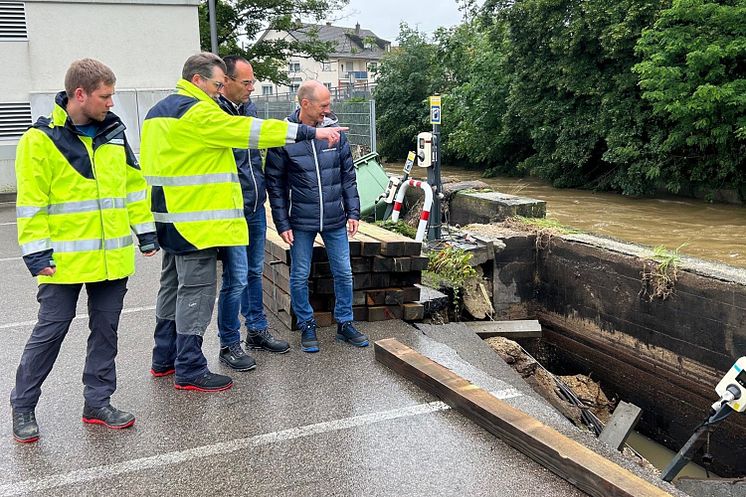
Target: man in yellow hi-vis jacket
(187,158)
(80,196)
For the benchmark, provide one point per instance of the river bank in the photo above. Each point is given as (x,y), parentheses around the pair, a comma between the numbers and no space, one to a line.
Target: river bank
(708,231)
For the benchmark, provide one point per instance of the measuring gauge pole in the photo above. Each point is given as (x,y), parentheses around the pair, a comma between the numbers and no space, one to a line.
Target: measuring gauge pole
(433,173)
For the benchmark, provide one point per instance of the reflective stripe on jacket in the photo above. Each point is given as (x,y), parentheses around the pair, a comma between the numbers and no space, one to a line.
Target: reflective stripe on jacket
(186,155)
(79,199)
(249,162)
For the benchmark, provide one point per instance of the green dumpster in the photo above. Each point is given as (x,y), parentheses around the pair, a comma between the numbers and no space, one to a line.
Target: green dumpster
(372,181)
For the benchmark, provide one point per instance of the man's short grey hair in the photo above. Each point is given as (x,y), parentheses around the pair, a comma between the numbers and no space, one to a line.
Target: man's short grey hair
(202,64)
(309,90)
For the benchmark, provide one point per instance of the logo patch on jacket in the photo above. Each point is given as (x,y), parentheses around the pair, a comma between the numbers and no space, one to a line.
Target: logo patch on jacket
(333,149)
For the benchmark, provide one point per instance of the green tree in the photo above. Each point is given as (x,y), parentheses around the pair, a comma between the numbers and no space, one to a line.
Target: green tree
(407,76)
(694,75)
(240,21)
(572,91)
(474,57)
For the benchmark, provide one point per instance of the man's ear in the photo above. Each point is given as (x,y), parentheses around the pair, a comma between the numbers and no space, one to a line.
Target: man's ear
(79,94)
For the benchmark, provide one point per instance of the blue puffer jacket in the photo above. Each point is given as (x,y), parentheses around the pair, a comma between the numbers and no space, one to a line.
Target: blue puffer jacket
(249,162)
(312,186)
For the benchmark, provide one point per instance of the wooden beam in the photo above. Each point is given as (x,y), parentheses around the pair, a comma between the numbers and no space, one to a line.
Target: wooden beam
(369,245)
(529,328)
(590,472)
(392,243)
(412,311)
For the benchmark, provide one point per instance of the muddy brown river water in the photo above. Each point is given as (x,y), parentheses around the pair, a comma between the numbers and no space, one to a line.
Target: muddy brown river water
(710,231)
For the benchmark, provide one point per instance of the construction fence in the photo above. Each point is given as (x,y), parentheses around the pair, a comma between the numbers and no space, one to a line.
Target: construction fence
(357,113)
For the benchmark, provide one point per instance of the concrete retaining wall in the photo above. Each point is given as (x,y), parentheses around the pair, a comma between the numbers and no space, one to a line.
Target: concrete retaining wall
(490,207)
(665,356)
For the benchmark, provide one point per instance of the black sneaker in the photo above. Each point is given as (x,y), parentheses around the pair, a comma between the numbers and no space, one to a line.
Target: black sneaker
(25,428)
(262,339)
(109,416)
(308,341)
(235,357)
(208,382)
(347,333)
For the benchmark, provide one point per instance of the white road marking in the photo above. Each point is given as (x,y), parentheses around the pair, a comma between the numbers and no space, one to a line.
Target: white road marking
(20,324)
(6,259)
(8,224)
(222,448)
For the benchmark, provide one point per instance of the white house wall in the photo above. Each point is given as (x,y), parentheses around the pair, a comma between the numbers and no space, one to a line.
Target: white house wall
(310,69)
(145,43)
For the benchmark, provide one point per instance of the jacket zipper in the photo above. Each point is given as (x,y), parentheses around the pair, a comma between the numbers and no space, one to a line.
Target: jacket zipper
(290,199)
(98,191)
(100,209)
(253,178)
(321,193)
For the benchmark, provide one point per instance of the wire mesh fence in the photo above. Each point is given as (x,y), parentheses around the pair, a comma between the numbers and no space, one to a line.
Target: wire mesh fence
(357,113)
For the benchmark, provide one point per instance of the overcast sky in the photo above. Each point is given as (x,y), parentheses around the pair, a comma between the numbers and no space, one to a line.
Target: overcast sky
(383,16)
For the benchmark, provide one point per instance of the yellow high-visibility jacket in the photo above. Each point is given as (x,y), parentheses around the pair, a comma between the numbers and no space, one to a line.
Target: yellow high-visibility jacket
(78,200)
(187,158)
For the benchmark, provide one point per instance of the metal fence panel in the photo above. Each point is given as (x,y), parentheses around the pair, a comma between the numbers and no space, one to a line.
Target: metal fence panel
(355,112)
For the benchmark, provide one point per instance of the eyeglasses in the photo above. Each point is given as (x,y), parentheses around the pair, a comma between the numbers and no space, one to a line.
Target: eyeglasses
(218,84)
(245,82)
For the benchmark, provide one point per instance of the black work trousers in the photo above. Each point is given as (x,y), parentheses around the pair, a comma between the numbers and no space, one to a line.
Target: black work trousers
(56,312)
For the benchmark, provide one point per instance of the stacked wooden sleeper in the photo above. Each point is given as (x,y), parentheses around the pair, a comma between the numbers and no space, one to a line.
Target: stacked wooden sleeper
(386,267)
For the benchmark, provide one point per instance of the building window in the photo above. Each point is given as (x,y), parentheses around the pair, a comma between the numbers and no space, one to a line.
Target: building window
(13,22)
(294,87)
(372,66)
(267,89)
(326,66)
(294,67)
(15,119)
(328,86)
(342,67)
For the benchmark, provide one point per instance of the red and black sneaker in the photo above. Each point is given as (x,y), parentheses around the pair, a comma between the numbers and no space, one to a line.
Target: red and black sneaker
(160,371)
(108,416)
(208,382)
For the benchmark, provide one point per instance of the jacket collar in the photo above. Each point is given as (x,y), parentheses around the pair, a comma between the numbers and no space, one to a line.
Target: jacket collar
(230,107)
(329,121)
(60,117)
(184,87)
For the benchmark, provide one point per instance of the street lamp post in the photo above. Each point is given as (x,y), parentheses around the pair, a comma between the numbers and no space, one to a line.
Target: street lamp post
(213,26)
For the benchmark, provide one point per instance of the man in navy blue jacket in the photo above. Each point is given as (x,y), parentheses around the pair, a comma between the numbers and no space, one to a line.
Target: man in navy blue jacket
(312,189)
(242,266)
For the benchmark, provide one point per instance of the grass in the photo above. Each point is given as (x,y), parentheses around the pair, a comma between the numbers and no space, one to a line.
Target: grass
(543,224)
(660,272)
(398,227)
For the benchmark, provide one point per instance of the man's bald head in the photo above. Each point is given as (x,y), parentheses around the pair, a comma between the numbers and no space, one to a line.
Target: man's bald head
(315,102)
(311,90)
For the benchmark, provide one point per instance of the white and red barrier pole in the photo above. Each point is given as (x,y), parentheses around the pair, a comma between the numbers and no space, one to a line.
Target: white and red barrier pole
(425,215)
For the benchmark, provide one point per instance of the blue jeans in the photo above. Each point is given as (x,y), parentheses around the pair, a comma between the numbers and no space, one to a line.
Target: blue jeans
(242,284)
(338,251)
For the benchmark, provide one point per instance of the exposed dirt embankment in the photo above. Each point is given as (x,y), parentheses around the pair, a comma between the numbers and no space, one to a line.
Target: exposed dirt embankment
(587,390)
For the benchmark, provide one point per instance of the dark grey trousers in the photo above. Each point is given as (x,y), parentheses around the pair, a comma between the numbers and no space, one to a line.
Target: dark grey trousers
(56,312)
(188,288)
(184,309)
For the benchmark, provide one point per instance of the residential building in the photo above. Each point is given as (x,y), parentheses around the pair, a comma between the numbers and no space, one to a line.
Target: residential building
(144,42)
(354,60)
